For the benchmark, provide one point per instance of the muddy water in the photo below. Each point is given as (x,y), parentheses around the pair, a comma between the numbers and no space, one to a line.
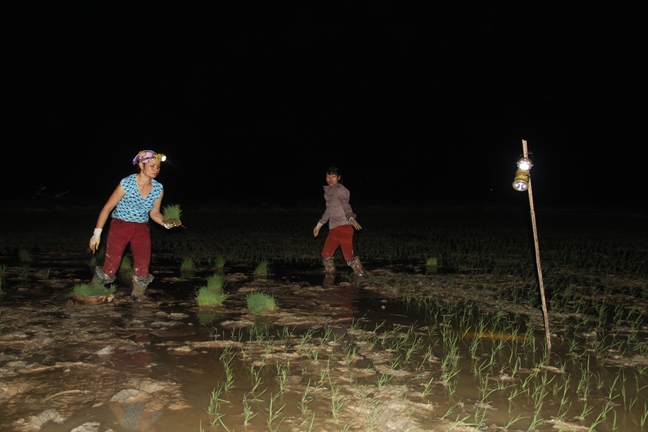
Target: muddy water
(350,356)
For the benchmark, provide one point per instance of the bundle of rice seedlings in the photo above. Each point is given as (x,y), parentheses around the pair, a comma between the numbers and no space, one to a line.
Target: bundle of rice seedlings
(220,263)
(172,213)
(258,302)
(207,297)
(187,264)
(87,290)
(24,256)
(215,283)
(126,276)
(126,264)
(262,269)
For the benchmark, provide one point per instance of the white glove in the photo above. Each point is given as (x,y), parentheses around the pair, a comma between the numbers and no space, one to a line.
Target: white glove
(95,240)
(355,223)
(316,230)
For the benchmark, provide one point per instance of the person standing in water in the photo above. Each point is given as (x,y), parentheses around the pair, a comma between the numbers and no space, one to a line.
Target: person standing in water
(341,220)
(136,199)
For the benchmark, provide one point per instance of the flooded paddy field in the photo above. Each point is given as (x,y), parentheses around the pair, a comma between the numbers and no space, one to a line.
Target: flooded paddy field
(458,344)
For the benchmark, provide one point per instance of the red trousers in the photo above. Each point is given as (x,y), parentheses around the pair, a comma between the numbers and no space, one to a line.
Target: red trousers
(121,233)
(342,237)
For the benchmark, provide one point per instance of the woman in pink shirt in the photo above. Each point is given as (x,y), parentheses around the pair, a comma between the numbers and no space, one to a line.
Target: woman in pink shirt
(341,220)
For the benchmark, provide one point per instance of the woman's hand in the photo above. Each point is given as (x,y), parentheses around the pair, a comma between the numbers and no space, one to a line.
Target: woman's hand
(355,223)
(171,224)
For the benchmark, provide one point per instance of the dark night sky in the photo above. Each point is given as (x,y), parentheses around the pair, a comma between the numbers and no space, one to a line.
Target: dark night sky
(251,102)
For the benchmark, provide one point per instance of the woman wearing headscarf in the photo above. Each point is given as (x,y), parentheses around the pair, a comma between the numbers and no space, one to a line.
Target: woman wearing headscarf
(136,200)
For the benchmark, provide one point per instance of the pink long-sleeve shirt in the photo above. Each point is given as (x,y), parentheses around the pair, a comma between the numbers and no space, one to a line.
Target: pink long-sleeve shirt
(338,210)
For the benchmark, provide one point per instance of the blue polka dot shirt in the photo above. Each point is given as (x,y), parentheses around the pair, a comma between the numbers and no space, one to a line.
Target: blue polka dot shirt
(134,208)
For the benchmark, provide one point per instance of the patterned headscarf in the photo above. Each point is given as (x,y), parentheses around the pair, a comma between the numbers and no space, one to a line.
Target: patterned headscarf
(147,155)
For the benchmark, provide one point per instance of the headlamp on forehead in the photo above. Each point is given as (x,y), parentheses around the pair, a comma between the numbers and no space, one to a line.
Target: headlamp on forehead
(147,155)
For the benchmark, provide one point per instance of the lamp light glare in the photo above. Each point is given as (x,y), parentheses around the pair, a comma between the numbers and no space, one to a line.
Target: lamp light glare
(521,181)
(524,164)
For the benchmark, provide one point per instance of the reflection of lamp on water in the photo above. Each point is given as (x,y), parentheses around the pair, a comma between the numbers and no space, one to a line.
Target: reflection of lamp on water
(521,181)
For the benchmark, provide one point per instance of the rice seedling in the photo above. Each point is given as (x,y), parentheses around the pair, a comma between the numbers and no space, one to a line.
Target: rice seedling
(226,358)
(587,410)
(431,262)
(214,401)
(87,290)
(262,269)
(24,255)
(219,262)
(427,387)
(258,302)
(257,378)
(273,411)
(247,411)
(373,416)
(644,417)
(208,297)
(285,333)
(451,409)
(187,264)
(382,380)
(311,425)
(172,213)
(602,416)
(126,264)
(312,354)
(305,398)
(220,420)
(215,282)
(512,421)
(337,402)
(3,269)
(283,380)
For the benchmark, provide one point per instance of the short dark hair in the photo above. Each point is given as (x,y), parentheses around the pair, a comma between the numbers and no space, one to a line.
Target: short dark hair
(334,170)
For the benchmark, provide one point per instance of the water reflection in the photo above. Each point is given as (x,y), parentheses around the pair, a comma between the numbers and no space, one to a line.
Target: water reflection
(133,362)
(135,416)
(341,299)
(206,318)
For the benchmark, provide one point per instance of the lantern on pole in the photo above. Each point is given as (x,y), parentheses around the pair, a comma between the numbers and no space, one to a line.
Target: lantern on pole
(522,175)
(522,183)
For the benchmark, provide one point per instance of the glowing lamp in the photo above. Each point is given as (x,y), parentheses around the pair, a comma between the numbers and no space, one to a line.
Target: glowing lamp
(521,182)
(162,158)
(524,164)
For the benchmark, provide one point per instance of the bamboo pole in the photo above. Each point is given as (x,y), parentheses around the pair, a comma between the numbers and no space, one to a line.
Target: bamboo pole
(537,255)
